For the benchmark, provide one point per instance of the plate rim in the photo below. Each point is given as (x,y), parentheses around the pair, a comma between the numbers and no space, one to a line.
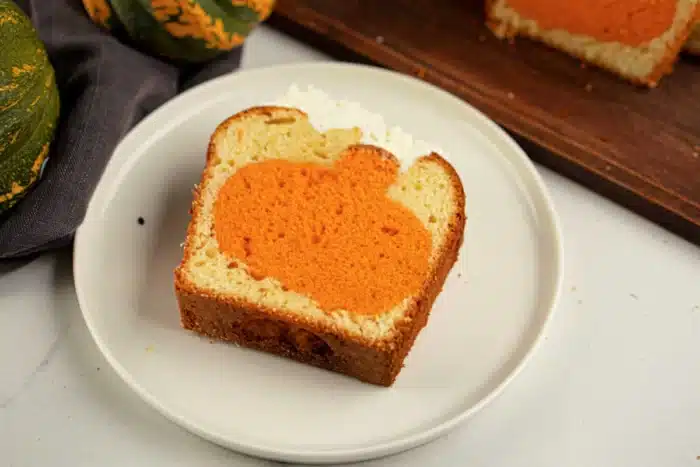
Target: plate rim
(352,454)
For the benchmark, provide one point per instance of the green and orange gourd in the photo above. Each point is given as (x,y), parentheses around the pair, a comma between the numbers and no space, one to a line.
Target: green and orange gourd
(29,105)
(190,31)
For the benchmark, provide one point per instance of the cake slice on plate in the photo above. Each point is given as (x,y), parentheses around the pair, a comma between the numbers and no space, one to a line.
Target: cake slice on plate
(315,247)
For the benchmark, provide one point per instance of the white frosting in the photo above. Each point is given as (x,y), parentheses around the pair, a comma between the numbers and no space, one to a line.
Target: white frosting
(327,113)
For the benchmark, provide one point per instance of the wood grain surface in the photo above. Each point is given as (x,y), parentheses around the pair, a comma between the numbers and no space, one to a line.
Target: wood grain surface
(637,146)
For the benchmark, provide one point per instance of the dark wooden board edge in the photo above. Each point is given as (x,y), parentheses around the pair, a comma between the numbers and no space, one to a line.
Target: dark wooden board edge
(608,180)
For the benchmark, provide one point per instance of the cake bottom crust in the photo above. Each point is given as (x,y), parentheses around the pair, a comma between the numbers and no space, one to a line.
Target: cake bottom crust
(252,329)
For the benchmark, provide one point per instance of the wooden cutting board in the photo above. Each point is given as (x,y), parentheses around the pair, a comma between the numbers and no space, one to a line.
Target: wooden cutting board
(639,147)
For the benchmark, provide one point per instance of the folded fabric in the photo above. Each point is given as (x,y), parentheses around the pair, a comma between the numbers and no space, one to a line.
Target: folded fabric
(106,87)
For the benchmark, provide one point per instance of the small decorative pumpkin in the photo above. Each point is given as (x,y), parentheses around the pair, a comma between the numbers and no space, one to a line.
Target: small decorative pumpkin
(29,104)
(181,30)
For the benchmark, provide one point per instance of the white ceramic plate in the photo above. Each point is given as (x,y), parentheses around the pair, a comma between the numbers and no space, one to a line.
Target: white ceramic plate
(484,326)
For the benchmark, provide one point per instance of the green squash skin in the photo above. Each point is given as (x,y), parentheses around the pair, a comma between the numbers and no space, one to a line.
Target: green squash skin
(29,105)
(136,18)
(25,164)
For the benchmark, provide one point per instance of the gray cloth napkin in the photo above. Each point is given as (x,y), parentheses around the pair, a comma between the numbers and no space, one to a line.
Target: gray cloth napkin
(106,87)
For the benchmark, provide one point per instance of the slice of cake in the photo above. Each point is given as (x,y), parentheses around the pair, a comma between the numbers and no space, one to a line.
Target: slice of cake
(692,45)
(638,40)
(313,246)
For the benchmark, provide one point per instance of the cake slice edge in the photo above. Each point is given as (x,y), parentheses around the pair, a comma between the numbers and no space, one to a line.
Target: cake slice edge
(692,45)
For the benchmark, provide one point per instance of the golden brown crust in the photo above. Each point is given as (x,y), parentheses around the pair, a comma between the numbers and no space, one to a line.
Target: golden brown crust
(673,50)
(256,328)
(692,45)
(298,337)
(663,67)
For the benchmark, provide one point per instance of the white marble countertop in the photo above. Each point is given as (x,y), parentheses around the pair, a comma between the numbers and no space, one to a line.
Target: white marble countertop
(615,383)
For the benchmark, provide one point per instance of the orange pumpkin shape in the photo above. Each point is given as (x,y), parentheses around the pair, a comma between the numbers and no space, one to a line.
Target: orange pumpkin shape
(328,232)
